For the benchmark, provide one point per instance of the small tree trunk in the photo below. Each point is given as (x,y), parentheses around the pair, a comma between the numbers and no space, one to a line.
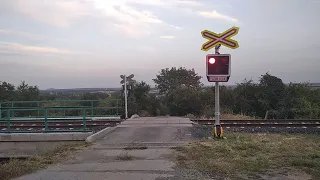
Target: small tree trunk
(266,115)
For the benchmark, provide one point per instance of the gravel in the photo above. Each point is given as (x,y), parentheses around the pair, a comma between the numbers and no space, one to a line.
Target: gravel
(200,131)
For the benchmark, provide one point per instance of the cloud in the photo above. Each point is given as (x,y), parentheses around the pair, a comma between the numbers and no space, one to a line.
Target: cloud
(55,12)
(122,15)
(167,37)
(167,3)
(30,36)
(130,20)
(315,2)
(215,15)
(126,17)
(16,48)
(147,49)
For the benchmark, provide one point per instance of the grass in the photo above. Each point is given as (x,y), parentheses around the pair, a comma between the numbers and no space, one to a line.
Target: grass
(253,154)
(237,117)
(225,116)
(124,157)
(135,148)
(16,167)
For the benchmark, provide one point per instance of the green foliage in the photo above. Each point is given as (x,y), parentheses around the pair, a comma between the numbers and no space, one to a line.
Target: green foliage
(246,98)
(7,91)
(181,101)
(141,95)
(27,93)
(181,93)
(271,91)
(170,79)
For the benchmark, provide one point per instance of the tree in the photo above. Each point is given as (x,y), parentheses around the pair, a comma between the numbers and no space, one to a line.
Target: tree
(272,89)
(141,94)
(24,92)
(171,79)
(7,91)
(184,100)
(246,101)
(227,99)
(27,93)
(297,101)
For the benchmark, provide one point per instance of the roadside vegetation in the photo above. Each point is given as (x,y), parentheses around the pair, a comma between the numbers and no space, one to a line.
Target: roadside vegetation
(17,167)
(124,156)
(252,156)
(182,93)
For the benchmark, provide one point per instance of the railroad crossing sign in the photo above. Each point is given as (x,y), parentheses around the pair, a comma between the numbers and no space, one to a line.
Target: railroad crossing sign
(224,38)
(129,79)
(126,80)
(218,65)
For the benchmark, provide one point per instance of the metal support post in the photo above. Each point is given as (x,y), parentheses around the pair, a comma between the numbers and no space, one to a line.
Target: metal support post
(217,125)
(46,119)
(91,108)
(84,119)
(0,112)
(125,96)
(8,120)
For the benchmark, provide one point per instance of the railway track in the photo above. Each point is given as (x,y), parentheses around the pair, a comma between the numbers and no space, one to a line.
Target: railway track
(57,124)
(273,123)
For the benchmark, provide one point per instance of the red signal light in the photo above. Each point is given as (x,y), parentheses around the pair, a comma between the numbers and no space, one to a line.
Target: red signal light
(212,60)
(218,64)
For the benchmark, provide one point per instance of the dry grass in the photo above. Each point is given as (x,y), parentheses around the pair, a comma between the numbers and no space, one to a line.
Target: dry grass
(225,116)
(15,167)
(237,117)
(135,147)
(124,157)
(253,154)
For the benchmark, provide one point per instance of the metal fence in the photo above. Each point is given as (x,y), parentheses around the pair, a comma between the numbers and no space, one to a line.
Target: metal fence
(60,108)
(44,112)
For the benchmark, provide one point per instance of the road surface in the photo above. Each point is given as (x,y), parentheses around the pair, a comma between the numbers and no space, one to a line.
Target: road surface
(108,158)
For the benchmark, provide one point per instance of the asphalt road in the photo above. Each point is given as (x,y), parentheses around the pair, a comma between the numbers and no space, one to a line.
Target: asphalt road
(108,158)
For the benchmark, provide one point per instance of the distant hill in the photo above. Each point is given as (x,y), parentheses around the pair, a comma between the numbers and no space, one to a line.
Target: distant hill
(108,90)
(79,90)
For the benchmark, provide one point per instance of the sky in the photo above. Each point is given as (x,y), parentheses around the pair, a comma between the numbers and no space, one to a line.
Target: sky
(90,43)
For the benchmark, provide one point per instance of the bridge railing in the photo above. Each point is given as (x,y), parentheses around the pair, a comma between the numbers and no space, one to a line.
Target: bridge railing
(61,108)
(44,121)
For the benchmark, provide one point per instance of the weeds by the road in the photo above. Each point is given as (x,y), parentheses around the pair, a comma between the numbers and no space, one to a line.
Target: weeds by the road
(135,148)
(124,157)
(253,154)
(15,167)
(224,116)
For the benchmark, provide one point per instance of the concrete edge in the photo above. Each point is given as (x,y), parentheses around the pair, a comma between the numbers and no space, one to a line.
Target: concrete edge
(39,137)
(99,134)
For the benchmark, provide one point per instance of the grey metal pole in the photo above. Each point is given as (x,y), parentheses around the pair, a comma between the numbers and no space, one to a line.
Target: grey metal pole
(125,96)
(217,102)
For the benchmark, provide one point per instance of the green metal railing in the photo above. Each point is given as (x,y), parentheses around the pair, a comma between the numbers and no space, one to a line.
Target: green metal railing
(49,111)
(62,108)
(45,121)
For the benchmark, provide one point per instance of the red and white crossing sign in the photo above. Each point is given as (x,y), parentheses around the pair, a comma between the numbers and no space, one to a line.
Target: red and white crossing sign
(222,39)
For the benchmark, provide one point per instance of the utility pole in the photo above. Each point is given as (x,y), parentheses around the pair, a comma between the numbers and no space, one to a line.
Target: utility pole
(126,80)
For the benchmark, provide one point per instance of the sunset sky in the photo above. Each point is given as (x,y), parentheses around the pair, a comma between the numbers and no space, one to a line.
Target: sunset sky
(89,43)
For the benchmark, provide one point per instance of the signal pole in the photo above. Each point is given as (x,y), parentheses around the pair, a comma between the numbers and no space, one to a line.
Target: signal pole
(125,96)
(217,128)
(125,81)
(213,70)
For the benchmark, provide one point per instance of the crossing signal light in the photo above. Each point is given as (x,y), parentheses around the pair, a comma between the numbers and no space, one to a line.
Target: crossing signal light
(212,60)
(218,64)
